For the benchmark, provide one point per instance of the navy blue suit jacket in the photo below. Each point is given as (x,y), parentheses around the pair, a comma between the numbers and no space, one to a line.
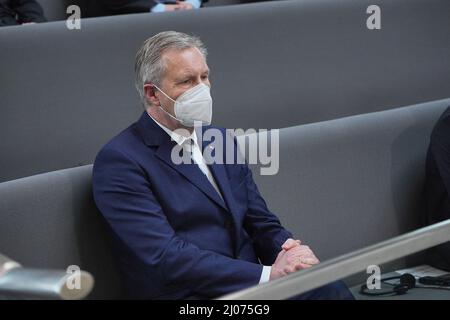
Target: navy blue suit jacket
(174,236)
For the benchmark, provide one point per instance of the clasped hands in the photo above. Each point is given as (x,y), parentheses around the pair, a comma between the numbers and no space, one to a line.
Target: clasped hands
(293,257)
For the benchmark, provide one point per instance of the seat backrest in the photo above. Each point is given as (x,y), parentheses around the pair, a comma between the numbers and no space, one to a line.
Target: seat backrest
(342,184)
(348,183)
(274,64)
(50,221)
(55,10)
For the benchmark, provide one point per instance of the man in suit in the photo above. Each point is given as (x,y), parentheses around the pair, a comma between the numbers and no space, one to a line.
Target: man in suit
(113,7)
(438,186)
(194,229)
(16,12)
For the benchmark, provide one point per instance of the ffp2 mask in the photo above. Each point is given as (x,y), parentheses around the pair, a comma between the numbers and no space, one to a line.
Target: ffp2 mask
(193,105)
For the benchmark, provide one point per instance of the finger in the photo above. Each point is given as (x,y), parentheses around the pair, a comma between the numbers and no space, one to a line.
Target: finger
(304,255)
(289,269)
(297,246)
(279,256)
(300,265)
(297,249)
(287,244)
(304,266)
(290,243)
(309,260)
(298,253)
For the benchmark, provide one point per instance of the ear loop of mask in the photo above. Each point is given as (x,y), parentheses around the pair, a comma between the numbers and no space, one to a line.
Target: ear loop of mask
(166,112)
(163,93)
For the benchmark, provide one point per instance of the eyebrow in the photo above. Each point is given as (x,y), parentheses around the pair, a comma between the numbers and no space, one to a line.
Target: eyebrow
(189,75)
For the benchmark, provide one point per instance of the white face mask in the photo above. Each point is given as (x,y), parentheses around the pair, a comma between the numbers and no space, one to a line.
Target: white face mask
(194,105)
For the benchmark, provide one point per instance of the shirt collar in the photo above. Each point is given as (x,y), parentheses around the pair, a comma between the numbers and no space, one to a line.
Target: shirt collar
(178,138)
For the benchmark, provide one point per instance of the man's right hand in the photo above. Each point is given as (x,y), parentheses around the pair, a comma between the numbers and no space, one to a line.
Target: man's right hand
(178,6)
(172,7)
(296,257)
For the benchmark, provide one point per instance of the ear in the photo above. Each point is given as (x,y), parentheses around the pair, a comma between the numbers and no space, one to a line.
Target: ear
(150,94)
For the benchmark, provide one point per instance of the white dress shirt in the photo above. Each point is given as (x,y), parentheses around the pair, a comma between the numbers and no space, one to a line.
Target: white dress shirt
(190,144)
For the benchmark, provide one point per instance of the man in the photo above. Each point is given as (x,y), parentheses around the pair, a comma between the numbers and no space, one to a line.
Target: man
(438,186)
(16,12)
(139,6)
(188,230)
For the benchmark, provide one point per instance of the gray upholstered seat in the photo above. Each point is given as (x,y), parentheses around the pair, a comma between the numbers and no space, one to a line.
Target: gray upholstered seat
(50,221)
(347,183)
(342,185)
(274,64)
(55,10)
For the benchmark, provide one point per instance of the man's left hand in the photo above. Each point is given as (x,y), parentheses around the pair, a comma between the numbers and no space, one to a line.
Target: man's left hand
(304,253)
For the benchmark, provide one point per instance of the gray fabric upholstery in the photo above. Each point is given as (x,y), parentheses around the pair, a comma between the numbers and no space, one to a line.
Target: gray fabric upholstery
(50,221)
(55,10)
(347,183)
(274,64)
(342,184)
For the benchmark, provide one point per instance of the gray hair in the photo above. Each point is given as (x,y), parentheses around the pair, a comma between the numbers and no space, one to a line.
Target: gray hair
(149,66)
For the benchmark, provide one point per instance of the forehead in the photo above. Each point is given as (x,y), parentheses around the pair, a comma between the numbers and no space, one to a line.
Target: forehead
(179,62)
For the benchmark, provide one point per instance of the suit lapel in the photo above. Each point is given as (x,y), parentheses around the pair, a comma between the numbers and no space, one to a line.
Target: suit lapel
(220,176)
(153,135)
(190,171)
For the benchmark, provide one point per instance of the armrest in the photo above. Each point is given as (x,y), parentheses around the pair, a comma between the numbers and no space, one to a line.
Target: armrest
(19,282)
